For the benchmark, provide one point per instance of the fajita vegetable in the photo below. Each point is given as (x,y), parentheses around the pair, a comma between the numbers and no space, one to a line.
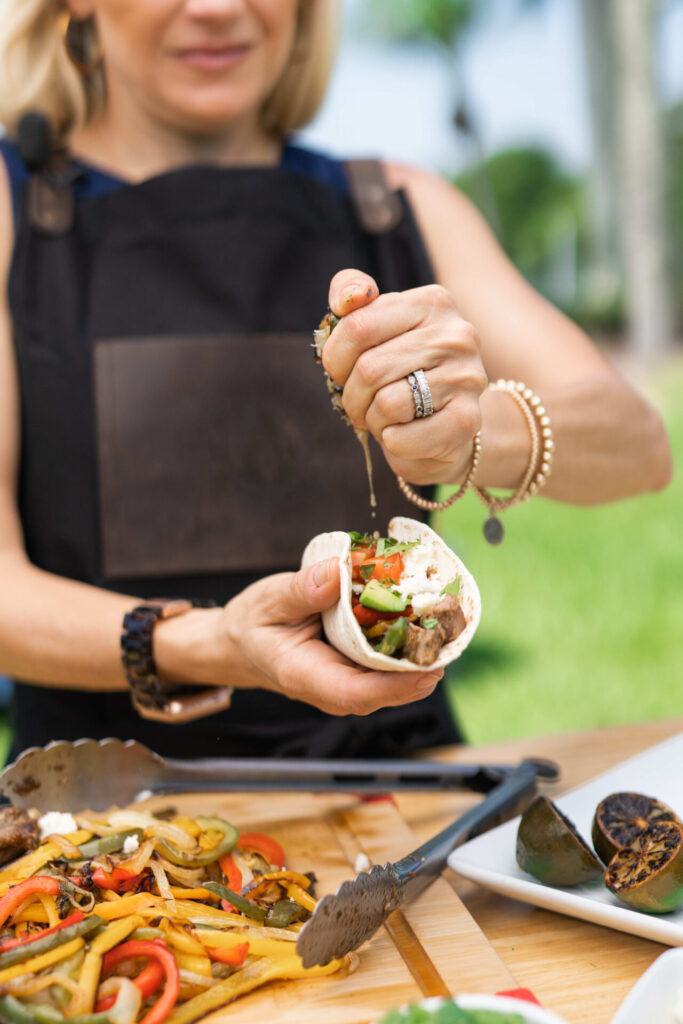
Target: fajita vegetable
(134,919)
(407,600)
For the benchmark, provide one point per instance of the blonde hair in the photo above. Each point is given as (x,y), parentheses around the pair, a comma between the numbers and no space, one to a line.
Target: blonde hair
(37,74)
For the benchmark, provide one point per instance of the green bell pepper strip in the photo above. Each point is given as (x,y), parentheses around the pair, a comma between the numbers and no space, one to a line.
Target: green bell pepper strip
(107,844)
(189,860)
(44,943)
(283,913)
(394,638)
(244,906)
(12,1011)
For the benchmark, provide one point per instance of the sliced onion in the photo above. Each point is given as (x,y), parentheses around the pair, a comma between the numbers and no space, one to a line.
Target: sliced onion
(173,834)
(68,848)
(161,880)
(191,877)
(100,828)
(196,980)
(121,820)
(128,999)
(139,859)
(28,985)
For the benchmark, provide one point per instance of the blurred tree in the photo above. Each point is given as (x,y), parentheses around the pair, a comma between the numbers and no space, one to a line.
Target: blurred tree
(643,193)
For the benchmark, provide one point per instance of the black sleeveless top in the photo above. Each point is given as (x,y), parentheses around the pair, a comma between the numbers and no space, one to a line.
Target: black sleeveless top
(177,437)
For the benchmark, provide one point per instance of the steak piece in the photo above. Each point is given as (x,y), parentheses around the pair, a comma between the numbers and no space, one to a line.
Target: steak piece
(450,617)
(19,833)
(422,645)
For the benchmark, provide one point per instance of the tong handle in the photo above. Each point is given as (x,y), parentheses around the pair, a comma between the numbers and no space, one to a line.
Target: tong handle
(362,776)
(422,866)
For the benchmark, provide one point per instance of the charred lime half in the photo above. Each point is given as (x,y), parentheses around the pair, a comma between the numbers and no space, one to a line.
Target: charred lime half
(621,817)
(648,874)
(550,848)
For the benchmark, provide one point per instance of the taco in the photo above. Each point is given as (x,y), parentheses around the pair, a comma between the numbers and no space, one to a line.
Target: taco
(407,601)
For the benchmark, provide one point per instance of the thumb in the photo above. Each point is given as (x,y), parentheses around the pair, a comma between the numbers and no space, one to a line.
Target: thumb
(303,593)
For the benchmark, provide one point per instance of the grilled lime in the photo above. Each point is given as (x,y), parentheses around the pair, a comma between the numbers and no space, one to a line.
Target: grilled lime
(648,874)
(550,848)
(621,817)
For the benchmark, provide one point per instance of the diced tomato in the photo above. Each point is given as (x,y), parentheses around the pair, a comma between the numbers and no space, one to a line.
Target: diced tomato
(366,616)
(358,556)
(389,568)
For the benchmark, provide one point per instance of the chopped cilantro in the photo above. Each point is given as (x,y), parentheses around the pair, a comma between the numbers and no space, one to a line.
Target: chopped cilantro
(380,547)
(452,588)
(429,623)
(366,571)
(360,540)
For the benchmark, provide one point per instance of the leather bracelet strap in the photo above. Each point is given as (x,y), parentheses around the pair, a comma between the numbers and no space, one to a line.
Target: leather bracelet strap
(151,697)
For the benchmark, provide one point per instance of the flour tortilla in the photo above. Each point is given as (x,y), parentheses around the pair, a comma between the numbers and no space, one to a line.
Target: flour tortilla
(340,624)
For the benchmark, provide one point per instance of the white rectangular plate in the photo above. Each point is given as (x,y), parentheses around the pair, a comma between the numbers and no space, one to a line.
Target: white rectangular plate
(490,861)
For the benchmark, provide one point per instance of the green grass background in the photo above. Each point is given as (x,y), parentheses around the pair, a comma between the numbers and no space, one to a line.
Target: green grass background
(582,621)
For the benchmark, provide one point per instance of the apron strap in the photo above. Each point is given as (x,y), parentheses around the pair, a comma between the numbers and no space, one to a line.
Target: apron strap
(378,208)
(51,205)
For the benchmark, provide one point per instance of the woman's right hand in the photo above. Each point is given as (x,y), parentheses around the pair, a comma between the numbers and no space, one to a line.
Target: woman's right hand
(272,637)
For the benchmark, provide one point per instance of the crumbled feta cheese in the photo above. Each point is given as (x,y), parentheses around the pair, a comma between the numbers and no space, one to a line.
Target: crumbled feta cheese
(130,844)
(420,581)
(362,863)
(56,823)
(433,1004)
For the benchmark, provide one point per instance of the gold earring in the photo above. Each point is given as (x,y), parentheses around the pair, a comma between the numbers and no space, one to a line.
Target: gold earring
(76,46)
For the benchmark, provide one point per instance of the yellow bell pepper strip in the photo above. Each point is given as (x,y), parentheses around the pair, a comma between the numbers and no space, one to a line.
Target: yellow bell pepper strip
(71,928)
(304,899)
(37,963)
(114,933)
(192,894)
(244,980)
(30,887)
(36,859)
(127,905)
(189,859)
(159,951)
(88,981)
(195,964)
(236,901)
(50,907)
(184,943)
(268,847)
(279,876)
(257,946)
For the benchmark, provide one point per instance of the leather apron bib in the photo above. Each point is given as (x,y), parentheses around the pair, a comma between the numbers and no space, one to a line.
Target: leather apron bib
(177,435)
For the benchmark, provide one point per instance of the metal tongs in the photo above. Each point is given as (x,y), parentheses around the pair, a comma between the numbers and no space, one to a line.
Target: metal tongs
(96,775)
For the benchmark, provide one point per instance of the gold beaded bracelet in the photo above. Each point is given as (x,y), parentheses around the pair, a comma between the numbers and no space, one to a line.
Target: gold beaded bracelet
(540,458)
(439,506)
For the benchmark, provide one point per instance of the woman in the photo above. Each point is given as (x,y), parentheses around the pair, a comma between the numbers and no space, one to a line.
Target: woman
(164,429)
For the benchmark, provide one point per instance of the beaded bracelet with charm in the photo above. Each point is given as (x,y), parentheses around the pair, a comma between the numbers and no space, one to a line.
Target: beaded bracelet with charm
(540,462)
(439,506)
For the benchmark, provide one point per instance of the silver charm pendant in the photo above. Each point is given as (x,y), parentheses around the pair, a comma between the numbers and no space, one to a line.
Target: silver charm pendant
(493,530)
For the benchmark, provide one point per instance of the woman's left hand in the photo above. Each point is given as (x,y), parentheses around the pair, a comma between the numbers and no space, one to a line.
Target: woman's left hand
(383,338)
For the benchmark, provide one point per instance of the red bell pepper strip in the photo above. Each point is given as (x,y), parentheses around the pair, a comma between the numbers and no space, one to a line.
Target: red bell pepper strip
(233,955)
(268,847)
(18,893)
(120,879)
(71,919)
(147,981)
(156,950)
(366,616)
(233,876)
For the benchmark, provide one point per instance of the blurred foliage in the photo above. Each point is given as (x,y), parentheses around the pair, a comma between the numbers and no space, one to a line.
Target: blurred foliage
(441,21)
(537,205)
(675,139)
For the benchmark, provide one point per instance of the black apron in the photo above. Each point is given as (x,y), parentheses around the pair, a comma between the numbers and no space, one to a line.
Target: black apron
(177,436)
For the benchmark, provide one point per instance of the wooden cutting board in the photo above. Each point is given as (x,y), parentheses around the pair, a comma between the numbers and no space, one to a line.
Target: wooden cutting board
(432,947)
